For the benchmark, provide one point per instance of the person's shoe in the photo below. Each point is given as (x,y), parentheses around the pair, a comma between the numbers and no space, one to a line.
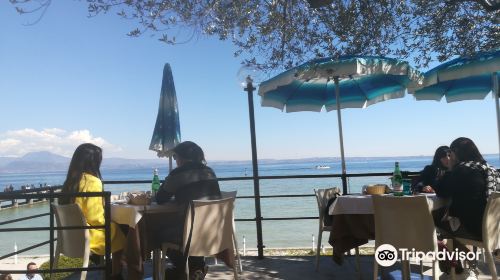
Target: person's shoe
(469,274)
(198,274)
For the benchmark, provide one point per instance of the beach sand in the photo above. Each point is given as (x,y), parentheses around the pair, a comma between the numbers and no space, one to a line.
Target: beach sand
(22,262)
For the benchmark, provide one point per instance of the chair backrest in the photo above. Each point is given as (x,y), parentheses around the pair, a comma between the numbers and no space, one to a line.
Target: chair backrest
(72,242)
(404,222)
(228,194)
(491,221)
(322,198)
(208,228)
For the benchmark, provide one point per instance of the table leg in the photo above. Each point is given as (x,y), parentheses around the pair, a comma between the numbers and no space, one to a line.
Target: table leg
(156,264)
(133,255)
(405,269)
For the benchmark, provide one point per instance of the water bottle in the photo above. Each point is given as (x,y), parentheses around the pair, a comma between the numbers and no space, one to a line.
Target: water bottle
(155,185)
(397,179)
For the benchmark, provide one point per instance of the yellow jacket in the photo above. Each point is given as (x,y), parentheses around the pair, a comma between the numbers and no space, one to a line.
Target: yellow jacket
(93,210)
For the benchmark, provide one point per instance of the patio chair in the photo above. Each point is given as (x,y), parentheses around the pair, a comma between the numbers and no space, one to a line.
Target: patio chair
(404,222)
(208,230)
(232,194)
(73,243)
(491,234)
(322,198)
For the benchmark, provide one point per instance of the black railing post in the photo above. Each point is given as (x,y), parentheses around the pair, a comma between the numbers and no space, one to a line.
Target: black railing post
(256,188)
(51,233)
(107,230)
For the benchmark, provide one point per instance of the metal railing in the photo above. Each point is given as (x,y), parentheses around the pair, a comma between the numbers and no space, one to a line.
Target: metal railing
(51,193)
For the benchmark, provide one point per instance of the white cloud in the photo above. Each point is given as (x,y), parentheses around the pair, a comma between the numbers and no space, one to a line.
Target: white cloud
(55,140)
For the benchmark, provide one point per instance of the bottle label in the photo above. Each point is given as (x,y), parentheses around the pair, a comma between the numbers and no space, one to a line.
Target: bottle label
(397,183)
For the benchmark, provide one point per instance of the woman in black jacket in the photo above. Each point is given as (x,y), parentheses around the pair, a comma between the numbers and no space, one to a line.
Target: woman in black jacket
(467,184)
(191,180)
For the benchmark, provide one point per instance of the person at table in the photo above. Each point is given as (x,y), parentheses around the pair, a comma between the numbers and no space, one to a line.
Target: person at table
(84,176)
(191,180)
(434,172)
(467,183)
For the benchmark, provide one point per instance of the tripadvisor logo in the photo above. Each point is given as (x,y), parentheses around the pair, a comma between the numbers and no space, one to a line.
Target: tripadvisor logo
(387,255)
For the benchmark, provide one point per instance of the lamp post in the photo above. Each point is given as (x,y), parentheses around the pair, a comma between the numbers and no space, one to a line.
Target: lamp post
(249,88)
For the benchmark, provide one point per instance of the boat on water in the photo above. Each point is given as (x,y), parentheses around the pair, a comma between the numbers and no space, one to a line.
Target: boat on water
(322,167)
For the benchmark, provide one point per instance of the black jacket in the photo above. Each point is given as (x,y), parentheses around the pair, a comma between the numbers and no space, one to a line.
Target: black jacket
(467,188)
(189,182)
(429,177)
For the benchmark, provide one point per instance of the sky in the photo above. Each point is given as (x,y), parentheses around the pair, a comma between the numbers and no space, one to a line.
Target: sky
(70,79)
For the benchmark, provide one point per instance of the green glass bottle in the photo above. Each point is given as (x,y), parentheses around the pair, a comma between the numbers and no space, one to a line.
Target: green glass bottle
(155,185)
(397,179)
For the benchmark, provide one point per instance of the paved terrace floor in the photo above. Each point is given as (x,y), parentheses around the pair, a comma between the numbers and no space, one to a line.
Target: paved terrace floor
(302,268)
(295,268)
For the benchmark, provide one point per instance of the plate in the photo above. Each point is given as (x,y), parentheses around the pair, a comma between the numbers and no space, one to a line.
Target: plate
(120,201)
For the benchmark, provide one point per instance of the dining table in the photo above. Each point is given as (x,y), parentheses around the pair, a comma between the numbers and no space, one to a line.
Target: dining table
(141,221)
(353,221)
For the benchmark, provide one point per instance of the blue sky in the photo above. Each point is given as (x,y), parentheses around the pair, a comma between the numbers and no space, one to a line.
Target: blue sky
(70,79)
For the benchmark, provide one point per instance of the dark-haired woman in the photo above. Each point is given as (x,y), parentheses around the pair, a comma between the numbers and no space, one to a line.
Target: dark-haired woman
(84,175)
(191,180)
(434,172)
(467,184)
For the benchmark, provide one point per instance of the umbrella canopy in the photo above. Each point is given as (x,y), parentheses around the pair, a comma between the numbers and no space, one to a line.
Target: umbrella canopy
(167,132)
(337,83)
(463,78)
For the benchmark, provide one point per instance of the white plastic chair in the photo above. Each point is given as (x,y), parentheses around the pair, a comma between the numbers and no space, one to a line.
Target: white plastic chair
(491,234)
(208,230)
(232,194)
(322,198)
(404,222)
(73,243)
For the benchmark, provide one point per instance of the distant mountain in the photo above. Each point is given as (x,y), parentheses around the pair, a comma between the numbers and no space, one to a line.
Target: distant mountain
(48,162)
(44,157)
(35,162)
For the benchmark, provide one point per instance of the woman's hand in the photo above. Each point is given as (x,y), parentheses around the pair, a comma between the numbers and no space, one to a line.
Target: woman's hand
(427,189)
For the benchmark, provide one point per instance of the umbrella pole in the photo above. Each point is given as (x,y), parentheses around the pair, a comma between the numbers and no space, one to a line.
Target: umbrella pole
(496,92)
(341,136)
(169,164)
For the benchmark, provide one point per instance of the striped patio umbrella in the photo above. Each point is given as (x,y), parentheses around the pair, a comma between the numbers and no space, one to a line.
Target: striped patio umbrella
(464,78)
(167,132)
(338,83)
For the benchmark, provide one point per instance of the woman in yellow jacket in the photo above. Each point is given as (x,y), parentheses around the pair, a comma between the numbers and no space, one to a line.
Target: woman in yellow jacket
(84,176)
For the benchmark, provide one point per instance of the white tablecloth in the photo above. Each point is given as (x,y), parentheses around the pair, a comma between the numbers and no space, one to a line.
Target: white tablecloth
(362,204)
(130,215)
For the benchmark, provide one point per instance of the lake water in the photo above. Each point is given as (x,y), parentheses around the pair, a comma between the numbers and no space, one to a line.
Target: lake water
(276,234)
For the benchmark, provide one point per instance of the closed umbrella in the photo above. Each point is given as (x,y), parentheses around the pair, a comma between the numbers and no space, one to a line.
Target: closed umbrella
(338,83)
(167,132)
(464,78)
